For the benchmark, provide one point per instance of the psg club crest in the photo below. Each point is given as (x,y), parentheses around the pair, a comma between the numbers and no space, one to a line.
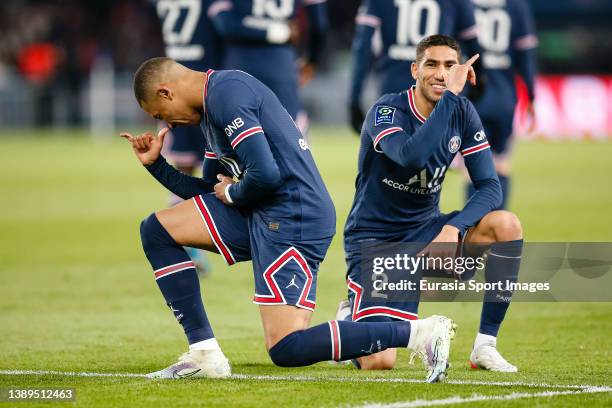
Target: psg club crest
(454,143)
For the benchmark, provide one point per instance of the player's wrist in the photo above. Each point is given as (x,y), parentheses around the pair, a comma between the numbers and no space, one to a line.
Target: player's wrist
(152,164)
(451,229)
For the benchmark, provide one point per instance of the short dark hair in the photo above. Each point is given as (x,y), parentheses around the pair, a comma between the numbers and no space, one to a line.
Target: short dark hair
(146,74)
(434,41)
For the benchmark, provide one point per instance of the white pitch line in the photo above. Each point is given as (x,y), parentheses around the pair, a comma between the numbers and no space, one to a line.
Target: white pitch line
(315,379)
(69,373)
(477,397)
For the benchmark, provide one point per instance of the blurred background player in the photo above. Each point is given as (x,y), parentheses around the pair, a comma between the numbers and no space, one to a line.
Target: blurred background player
(189,39)
(401,24)
(507,36)
(260,37)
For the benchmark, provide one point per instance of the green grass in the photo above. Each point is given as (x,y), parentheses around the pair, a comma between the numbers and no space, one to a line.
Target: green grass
(77,294)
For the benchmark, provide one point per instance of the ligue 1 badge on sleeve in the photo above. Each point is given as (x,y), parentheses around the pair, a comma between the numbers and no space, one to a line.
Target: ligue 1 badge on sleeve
(384,114)
(454,143)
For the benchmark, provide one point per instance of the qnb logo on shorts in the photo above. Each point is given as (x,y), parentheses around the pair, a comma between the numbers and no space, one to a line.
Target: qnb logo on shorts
(303,144)
(480,135)
(234,126)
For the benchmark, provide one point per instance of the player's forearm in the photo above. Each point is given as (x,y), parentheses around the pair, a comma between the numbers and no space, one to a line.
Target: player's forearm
(526,62)
(414,150)
(488,197)
(176,182)
(262,176)
(362,55)
(318,26)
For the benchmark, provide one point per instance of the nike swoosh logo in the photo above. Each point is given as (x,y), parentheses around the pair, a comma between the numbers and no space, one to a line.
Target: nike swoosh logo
(176,374)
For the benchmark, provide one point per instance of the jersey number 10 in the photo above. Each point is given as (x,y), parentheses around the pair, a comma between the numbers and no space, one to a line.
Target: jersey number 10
(416,19)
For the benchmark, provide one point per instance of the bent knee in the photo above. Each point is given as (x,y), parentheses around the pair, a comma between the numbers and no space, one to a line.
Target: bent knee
(385,360)
(288,351)
(149,227)
(508,226)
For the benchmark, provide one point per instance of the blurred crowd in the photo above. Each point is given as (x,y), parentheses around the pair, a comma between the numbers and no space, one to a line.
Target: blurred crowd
(52,45)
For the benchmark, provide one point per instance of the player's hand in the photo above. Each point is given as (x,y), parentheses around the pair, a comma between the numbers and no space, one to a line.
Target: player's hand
(146,146)
(531,118)
(357,117)
(444,245)
(220,187)
(307,71)
(460,73)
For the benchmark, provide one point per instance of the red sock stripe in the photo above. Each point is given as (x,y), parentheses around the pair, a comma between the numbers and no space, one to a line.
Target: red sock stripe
(335,340)
(336,330)
(173,268)
(212,229)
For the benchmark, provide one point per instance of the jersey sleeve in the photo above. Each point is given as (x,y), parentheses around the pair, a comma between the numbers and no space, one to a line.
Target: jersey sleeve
(524,43)
(177,182)
(384,124)
(233,26)
(236,111)
(478,159)
(211,167)
(367,22)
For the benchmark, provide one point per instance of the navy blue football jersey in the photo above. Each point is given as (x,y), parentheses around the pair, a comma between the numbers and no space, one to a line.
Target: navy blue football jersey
(402,24)
(507,36)
(256,33)
(250,134)
(403,160)
(188,33)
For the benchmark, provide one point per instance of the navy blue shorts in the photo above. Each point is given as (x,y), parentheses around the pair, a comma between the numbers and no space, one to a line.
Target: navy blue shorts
(184,146)
(285,271)
(384,310)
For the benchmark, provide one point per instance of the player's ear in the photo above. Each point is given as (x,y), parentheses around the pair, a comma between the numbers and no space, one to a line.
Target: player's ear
(414,70)
(164,93)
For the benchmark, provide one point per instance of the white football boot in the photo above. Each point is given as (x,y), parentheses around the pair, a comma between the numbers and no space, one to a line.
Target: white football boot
(486,357)
(430,339)
(197,364)
(343,311)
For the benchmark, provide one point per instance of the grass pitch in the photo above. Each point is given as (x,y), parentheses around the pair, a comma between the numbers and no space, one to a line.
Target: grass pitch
(77,294)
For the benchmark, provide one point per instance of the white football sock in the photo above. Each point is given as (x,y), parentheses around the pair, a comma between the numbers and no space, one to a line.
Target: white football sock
(208,344)
(415,325)
(484,339)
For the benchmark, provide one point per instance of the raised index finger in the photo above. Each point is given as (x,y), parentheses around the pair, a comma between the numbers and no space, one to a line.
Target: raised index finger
(472,60)
(126,135)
